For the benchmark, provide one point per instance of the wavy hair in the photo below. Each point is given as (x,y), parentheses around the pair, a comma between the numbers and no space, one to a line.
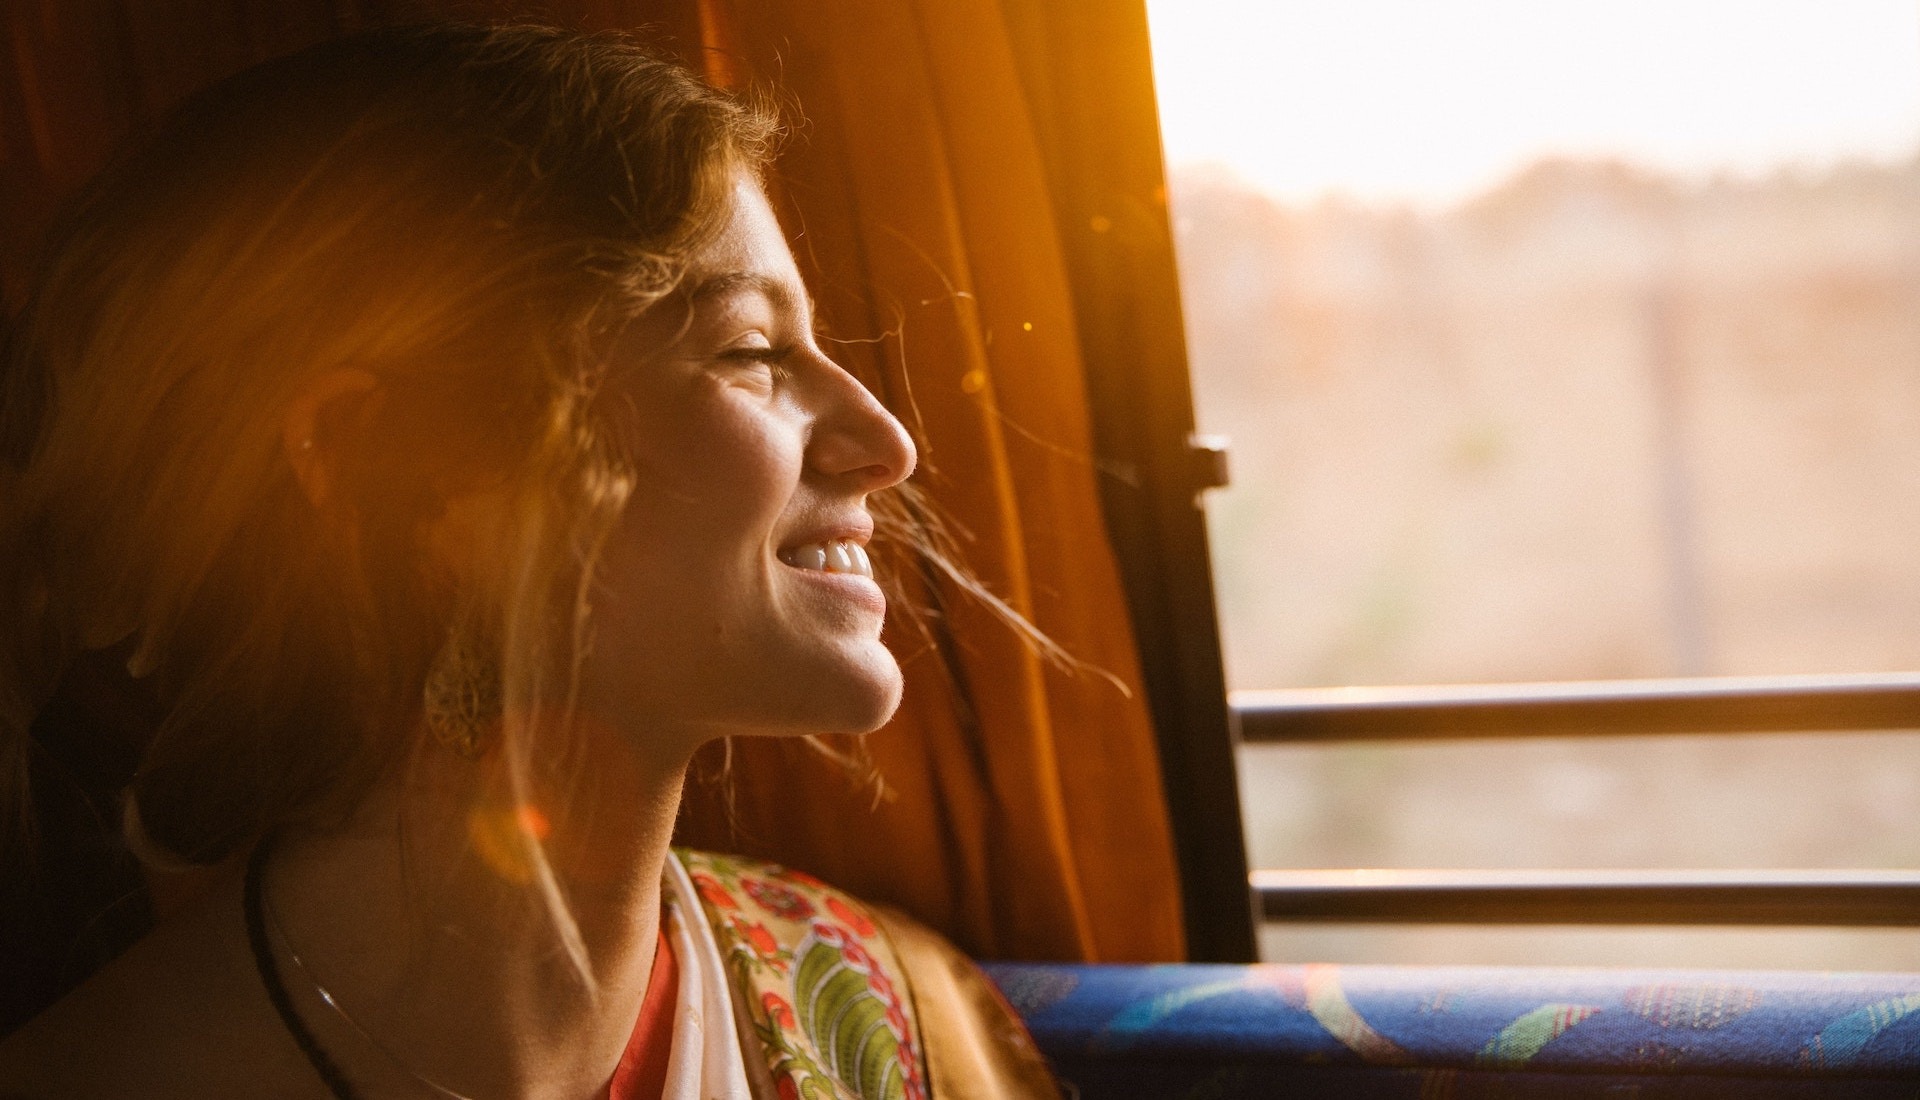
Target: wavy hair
(467,214)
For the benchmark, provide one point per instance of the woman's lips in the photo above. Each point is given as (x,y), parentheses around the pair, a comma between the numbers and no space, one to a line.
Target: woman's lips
(831,556)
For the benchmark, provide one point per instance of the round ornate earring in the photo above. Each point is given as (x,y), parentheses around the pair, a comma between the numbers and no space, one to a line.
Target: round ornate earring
(462,696)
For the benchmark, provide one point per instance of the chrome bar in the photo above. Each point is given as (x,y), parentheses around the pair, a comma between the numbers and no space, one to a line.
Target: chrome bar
(1849,897)
(1731,704)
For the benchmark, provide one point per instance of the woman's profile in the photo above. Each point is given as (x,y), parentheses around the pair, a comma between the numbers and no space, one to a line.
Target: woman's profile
(433,423)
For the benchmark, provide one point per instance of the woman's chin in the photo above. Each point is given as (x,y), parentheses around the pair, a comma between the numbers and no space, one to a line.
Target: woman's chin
(865,705)
(884,712)
(859,701)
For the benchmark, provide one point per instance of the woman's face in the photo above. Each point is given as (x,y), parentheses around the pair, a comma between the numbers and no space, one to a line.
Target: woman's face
(734,596)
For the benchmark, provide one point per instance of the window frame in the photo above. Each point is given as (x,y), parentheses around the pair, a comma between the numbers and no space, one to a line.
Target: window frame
(1088,73)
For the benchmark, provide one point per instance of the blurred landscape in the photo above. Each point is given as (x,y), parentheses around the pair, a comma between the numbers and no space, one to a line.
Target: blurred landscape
(1594,423)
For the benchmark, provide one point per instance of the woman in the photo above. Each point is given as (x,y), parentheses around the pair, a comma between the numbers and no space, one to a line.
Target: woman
(434,420)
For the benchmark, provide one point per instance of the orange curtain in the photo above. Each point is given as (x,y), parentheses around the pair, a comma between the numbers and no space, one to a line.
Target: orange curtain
(1022,810)
(1026,817)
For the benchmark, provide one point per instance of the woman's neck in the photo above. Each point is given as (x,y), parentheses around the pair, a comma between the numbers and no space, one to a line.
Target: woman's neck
(427,923)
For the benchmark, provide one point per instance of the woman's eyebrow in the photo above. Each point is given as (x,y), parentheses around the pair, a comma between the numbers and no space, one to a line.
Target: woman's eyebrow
(776,290)
(733,282)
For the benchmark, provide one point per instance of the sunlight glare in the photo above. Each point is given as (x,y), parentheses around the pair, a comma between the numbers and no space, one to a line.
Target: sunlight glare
(1424,102)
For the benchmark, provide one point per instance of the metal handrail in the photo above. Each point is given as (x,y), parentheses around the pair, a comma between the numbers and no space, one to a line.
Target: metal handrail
(1581,708)
(1817,703)
(1853,897)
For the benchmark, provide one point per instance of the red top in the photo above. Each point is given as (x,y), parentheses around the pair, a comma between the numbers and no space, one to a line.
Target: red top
(642,1073)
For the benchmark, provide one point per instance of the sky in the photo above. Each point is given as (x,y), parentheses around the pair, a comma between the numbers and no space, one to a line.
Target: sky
(1433,101)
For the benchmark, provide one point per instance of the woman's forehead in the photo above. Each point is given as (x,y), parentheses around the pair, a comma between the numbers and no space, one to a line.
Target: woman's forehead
(751,244)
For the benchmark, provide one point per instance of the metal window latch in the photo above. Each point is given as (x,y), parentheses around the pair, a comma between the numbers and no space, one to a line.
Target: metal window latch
(1206,462)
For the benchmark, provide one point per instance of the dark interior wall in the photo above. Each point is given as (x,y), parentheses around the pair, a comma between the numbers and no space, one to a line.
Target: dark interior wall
(78,77)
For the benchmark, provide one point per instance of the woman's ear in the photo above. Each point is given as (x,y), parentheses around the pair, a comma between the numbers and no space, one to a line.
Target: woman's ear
(311,431)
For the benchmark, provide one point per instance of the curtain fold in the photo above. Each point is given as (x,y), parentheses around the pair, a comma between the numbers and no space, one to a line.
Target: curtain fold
(1026,816)
(1021,810)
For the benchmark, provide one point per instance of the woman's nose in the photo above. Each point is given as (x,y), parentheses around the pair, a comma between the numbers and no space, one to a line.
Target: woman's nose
(855,439)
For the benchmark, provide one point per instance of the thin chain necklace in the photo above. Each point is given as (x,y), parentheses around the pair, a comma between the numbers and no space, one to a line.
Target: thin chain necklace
(259,912)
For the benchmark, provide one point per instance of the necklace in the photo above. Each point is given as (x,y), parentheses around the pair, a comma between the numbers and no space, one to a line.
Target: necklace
(259,911)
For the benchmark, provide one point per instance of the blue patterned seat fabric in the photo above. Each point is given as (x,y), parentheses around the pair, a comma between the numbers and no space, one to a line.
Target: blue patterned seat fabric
(1436,1033)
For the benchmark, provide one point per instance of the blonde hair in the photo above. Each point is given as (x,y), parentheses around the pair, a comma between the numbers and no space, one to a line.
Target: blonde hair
(466,213)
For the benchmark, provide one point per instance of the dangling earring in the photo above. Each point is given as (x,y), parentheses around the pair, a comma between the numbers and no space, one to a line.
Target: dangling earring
(462,701)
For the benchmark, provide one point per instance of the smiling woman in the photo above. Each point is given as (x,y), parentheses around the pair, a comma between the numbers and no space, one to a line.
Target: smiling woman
(432,426)
(753,456)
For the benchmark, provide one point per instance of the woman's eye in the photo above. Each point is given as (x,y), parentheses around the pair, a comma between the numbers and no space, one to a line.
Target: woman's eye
(764,355)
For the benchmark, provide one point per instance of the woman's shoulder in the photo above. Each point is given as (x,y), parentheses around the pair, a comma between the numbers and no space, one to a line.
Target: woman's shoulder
(739,891)
(773,923)
(826,978)
(174,1015)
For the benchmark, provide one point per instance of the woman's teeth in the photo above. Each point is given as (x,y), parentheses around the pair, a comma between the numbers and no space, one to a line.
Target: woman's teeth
(835,556)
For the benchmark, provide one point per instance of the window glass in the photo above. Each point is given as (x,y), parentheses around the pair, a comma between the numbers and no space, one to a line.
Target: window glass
(1721,801)
(1556,342)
